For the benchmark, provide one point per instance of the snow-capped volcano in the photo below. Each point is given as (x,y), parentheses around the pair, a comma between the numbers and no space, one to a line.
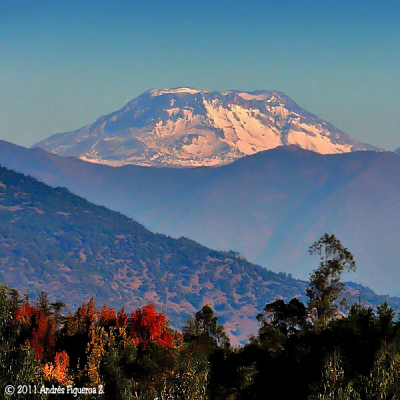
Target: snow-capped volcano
(187,127)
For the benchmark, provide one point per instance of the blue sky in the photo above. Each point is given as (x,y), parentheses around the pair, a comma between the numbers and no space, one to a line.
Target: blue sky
(64,63)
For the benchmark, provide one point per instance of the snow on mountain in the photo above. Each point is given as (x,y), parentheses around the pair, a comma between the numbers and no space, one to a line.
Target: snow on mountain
(397,151)
(188,127)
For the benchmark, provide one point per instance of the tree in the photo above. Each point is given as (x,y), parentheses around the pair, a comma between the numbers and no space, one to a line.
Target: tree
(190,377)
(325,281)
(18,362)
(385,321)
(384,379)
(204,326)
(147,325)
(287,318)
(334,384)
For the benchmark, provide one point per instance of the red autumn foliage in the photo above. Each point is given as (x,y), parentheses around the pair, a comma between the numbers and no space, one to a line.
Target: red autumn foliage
(25,314)
(107,317)
(122,319)
(39,330)
(86,315)
(147,325)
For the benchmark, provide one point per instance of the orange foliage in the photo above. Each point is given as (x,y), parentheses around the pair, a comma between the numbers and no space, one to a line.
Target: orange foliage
(108,317)
(147,325)
(58,370)
(85,317)
(24,314)
(91,311)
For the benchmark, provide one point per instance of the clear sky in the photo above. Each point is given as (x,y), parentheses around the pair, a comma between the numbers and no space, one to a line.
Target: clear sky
(64,63)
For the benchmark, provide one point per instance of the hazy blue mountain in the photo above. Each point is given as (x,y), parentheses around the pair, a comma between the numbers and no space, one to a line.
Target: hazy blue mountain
(186,127)
(269,206)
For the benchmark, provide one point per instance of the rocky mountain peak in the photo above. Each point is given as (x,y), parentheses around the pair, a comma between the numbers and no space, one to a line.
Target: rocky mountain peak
(188,127)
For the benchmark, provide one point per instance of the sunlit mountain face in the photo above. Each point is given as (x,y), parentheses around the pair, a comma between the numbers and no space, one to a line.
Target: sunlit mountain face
(187,127)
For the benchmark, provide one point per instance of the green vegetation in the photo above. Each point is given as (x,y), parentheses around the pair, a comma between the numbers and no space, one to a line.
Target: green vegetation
(325,281)
(307,351)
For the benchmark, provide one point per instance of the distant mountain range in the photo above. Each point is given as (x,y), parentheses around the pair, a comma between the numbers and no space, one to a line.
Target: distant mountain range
(269,206)
(186,127)
(55,241)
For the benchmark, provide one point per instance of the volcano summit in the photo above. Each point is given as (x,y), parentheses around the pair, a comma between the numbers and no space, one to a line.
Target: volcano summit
(187,127)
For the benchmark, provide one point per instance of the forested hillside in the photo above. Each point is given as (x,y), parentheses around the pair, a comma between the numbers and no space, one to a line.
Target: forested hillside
(54,241)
